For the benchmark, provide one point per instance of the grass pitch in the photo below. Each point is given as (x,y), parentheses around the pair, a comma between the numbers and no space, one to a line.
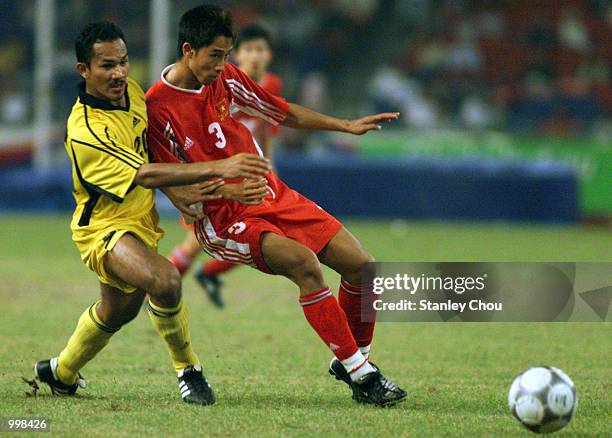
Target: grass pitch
(268,367)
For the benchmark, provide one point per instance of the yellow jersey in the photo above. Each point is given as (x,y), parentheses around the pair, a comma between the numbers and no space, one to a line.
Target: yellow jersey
(107,144)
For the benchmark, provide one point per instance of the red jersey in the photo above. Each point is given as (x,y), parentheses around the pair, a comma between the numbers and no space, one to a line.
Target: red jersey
(273,85)
(198,125)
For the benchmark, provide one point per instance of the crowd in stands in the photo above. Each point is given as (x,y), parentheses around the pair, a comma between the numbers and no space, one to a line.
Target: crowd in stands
(534,66)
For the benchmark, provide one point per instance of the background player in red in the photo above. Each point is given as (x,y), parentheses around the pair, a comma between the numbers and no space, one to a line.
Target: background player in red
(253,53)
(287,234)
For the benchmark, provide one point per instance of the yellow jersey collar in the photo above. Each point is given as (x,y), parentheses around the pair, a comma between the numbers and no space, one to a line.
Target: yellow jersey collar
(102,104)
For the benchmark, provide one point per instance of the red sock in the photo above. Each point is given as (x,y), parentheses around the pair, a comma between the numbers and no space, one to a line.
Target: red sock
(216,267)
(356,301)
(329,321)
(181,260)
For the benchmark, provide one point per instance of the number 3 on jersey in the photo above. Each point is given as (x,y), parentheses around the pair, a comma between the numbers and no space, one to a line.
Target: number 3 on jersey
(215,128)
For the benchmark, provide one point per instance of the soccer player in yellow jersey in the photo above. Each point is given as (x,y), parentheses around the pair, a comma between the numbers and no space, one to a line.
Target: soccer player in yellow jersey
(115,224)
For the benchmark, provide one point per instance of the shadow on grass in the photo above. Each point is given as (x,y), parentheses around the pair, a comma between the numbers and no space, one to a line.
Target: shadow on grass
(296,400)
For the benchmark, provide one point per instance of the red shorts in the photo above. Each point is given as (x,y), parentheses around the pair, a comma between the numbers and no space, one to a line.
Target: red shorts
(289,214)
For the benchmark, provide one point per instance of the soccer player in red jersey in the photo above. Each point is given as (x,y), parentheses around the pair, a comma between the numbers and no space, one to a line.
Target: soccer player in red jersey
(190,119)
(253,52)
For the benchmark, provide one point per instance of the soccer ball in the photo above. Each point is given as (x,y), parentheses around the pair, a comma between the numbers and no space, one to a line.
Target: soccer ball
(543,399)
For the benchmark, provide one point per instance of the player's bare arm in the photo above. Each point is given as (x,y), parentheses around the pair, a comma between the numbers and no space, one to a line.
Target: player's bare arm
(153,175)
(248,192)
(183,197)
(304,118)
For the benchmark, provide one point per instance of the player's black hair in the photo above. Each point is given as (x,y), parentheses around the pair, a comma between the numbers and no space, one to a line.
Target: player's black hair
(253,32)
(92,33)
(200,26)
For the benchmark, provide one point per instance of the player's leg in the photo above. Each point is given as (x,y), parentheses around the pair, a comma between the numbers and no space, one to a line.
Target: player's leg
(184,254)
(208,276)
(116,308)
(298,263)
(132,262)
(216,267)
(94,329)
(345,255)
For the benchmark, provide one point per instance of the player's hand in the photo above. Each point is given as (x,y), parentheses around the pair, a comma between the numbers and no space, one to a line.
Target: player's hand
(243,165)
(185,197)
(248,192)
(370,123)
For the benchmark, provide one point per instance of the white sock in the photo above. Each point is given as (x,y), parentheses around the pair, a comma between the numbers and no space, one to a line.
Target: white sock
(366,368)
(365,351)
(357,366)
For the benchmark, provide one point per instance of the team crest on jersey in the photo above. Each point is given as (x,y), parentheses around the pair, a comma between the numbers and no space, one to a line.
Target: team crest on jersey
(222,110)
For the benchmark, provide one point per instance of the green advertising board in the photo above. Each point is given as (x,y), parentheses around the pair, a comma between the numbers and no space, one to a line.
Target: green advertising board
(591,159)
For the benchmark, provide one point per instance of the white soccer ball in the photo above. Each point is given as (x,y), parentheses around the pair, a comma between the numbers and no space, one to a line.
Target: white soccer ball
(543,399)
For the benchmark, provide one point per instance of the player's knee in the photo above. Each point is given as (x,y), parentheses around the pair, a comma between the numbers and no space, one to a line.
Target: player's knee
(306,267)
(368,258)
(362,271)
(312,270)
(368,269)
(166,283)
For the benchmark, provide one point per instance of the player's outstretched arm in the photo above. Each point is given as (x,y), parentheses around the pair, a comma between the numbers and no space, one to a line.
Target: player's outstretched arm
(153,175)
(304,118)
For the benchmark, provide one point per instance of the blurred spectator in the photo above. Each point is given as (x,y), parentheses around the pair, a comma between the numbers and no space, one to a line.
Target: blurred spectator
(14,103)
(390,91)
(358,10)
(463,55)
(572,31)
(314,92)
(535,104)
(576,100)
(14,100)
(476,113)
(491,24)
